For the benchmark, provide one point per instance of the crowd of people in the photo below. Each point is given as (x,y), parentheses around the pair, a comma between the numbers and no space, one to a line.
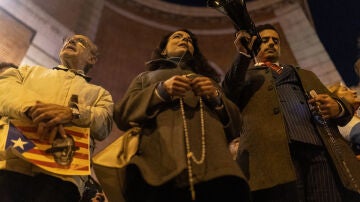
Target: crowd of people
(266,132)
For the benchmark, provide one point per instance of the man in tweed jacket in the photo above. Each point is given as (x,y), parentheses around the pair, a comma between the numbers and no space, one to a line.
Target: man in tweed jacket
(287,149)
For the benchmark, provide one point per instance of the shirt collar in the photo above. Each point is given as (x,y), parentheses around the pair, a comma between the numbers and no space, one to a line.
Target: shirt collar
(78,72)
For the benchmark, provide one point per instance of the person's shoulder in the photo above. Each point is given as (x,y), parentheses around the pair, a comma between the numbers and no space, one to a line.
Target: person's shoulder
(97,88)
(142,75)
(302,70)
(32,67)
(297,67)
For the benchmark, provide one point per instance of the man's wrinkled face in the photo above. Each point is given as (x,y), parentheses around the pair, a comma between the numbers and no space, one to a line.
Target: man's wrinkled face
(77,46)
(270,46)
(178,43)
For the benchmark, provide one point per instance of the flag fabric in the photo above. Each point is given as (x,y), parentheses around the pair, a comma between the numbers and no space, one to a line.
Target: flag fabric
(24,141)
(17,140)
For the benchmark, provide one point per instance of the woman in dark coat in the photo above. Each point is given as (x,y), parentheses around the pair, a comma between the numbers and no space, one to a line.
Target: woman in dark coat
(186,123)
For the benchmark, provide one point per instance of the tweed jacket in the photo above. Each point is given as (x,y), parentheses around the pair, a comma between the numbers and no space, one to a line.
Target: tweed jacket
(162,155)
(264,153)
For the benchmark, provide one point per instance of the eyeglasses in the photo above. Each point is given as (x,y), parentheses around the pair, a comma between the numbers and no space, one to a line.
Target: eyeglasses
(81,41)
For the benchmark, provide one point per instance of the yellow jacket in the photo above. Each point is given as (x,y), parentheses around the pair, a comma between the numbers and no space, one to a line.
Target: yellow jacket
(21,88)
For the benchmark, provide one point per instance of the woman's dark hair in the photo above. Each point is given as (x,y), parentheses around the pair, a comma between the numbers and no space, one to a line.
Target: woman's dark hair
(197,61)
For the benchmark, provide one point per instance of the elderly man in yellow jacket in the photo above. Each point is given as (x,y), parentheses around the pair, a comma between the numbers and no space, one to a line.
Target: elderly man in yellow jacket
(54,105)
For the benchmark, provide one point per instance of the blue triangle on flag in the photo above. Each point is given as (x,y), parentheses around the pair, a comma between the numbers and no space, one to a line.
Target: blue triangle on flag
(17,140)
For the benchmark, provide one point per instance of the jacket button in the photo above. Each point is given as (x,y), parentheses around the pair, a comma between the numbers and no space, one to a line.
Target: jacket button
(267,70)
(270,87)
(276,110)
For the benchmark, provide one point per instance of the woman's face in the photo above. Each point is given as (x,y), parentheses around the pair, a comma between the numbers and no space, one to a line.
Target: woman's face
(178,43)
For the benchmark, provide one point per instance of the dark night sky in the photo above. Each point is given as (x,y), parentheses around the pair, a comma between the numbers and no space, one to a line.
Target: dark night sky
(337,23)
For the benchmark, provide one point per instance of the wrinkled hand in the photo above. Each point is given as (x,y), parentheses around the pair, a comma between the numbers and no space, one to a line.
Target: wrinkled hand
(244,42)
(48,134)
(177,85)
(203,86)
(326,106)
(50,115)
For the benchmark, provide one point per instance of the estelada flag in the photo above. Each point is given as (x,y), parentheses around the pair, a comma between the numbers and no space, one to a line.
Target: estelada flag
(22,137)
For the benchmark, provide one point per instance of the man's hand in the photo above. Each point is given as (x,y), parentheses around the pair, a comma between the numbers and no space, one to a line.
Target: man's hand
(244,42)
(326,105)
(48,134)
(49,115)
(234,147)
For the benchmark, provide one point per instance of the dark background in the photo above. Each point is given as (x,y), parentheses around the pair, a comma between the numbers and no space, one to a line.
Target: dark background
(337,23)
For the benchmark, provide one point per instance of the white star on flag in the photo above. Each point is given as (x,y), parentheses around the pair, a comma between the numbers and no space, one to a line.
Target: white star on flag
(19,143)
